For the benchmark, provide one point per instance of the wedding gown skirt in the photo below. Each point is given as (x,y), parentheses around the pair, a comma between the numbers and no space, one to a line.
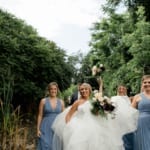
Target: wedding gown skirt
(88,132)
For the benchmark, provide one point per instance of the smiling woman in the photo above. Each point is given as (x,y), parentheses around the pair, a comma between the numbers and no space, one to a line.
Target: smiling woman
(142,103)
(85,91)
(78,129)
(49,108)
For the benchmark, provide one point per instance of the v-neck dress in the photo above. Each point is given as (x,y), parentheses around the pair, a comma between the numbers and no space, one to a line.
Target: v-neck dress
(49,115)
(142,135)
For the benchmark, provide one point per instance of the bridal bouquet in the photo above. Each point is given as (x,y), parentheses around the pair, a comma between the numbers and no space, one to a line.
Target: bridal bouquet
(101,105)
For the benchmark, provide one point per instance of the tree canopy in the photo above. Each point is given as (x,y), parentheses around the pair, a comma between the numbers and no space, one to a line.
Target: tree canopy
(123,47)
(30,61)
(119,41)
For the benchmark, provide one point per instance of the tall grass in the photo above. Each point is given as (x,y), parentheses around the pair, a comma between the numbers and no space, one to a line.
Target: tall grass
(13,136)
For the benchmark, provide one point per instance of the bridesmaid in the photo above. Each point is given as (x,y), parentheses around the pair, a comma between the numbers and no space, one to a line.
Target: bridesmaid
(49,108)
(142,103)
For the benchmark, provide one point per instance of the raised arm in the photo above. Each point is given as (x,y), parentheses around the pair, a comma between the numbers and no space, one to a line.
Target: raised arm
(72,110)
(135,100)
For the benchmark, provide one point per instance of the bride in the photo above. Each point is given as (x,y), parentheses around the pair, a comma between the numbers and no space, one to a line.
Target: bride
(78,129)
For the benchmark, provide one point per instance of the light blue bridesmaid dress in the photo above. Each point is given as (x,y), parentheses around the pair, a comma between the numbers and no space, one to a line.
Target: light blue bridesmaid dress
(45,140)
(142,135)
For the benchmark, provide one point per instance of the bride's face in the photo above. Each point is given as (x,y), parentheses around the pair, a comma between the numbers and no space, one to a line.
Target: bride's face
(85,91)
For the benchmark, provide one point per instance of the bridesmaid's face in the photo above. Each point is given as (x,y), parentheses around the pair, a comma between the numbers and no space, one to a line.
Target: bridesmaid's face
(122,90)
(146,84)
(53,91)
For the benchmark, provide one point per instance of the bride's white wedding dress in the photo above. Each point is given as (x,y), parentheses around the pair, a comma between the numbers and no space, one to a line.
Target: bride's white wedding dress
(88,132)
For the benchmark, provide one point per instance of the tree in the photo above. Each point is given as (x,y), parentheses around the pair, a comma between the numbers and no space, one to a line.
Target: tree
(123,48)
(32,60)
(132,6)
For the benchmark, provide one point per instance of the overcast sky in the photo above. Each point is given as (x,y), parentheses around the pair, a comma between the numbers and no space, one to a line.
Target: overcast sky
(66,22)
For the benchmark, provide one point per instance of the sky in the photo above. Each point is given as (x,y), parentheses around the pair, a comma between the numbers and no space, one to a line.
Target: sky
(66,22)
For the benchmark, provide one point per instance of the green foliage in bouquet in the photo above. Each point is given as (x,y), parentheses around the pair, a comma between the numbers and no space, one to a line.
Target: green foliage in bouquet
(102,107)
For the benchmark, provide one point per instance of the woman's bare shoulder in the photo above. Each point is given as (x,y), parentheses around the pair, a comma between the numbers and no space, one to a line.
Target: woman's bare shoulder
(76,103)
(43,101)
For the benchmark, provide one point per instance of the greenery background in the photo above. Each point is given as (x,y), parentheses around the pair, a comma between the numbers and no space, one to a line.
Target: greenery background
(28,62)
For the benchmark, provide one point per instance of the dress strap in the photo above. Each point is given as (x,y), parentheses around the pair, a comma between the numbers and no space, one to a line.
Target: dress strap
(46,99)
(143,96)
(59,102)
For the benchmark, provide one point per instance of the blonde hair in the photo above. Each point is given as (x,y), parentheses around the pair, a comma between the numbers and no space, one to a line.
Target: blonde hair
(145,77)
(49,86)
(142,80)
(86,85)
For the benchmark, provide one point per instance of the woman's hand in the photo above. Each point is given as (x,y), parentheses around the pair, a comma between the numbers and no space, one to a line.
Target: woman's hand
(38,133)
(71,111)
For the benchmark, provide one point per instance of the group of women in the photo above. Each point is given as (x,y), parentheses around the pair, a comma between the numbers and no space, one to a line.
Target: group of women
(76,128)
